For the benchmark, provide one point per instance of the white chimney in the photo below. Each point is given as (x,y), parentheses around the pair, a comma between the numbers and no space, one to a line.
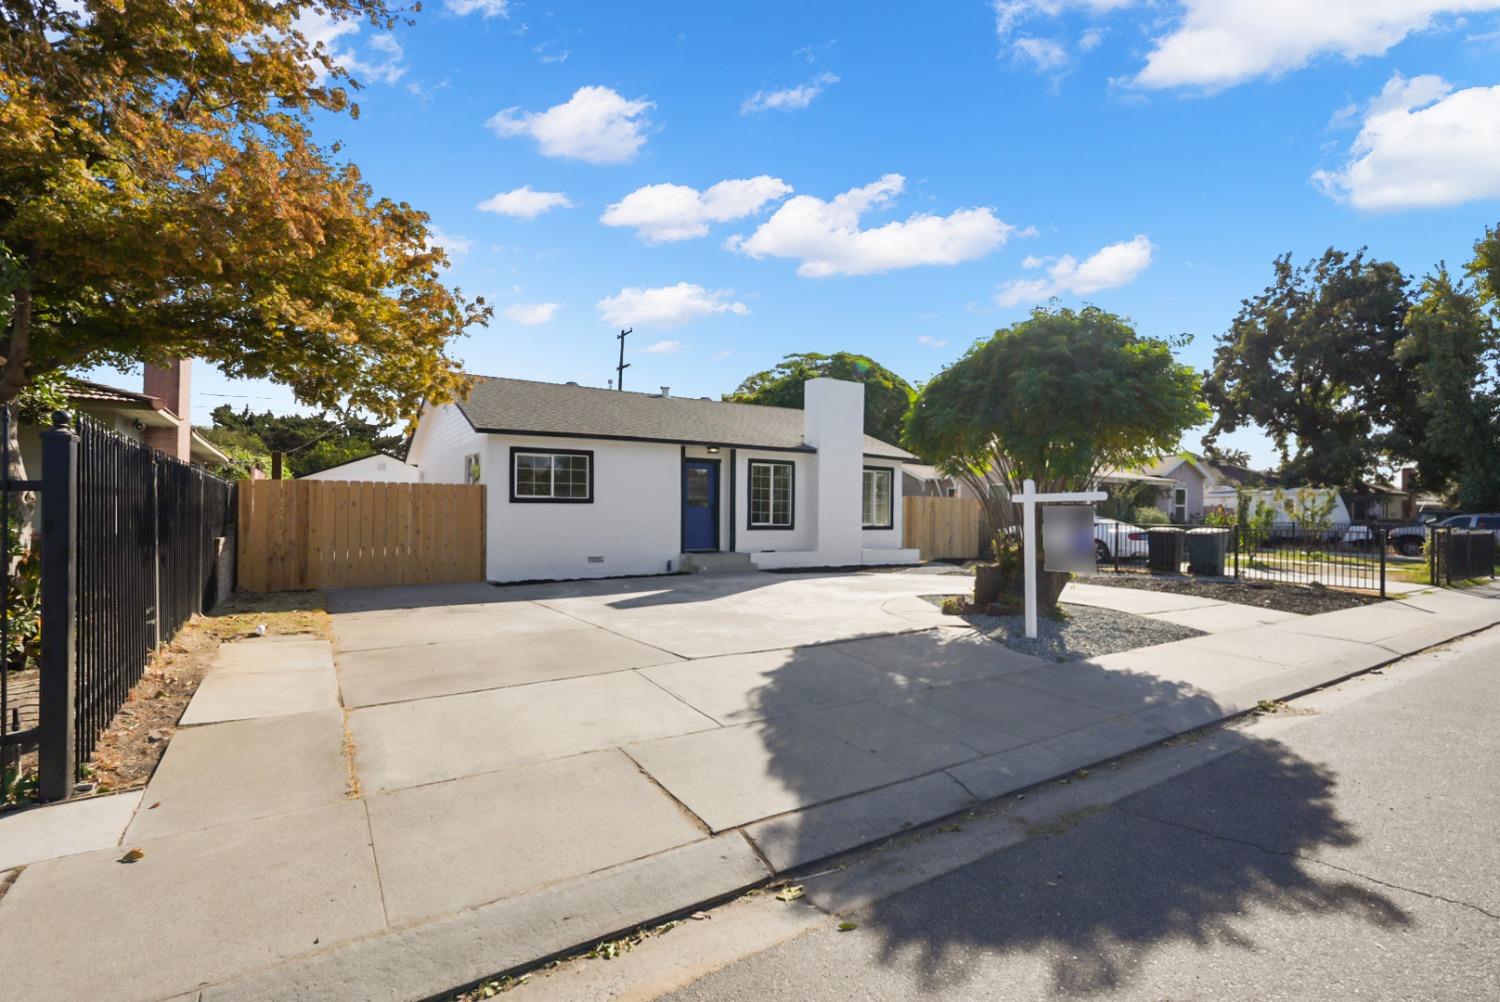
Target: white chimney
(833,416)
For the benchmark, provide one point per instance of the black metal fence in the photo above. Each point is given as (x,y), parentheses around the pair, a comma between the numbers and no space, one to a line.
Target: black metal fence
(20,612)
(127,552)
(1458,555)
(147,560)
(1335,556)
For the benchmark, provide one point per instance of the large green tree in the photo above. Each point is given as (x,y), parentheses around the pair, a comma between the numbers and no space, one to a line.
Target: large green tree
(1312,361)
(1055,399)
(887,395)
(309,442)
(162,196)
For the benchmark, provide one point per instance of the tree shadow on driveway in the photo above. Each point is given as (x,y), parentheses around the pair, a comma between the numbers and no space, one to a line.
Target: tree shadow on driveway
(1097,893)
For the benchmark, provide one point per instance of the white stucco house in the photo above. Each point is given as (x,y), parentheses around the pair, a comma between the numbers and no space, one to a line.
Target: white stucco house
(589,482)
(380,467)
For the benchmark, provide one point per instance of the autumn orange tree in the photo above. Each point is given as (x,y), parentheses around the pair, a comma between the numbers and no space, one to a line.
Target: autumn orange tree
(162,196)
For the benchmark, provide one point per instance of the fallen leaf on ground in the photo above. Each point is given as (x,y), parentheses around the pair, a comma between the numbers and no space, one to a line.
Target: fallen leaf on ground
(848,926)
(791,893)
(700,916)
(133,855)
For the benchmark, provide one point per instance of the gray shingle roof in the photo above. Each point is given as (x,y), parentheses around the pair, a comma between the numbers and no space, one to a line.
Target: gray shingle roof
(521,405)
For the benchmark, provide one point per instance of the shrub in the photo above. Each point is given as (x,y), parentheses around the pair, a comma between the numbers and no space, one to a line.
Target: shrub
(1150,516)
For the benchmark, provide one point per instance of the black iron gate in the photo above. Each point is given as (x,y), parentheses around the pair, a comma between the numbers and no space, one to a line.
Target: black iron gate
(1460,554)
(129,551)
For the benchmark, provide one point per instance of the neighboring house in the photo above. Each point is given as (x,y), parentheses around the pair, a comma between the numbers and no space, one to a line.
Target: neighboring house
(926,481)
(379,467)
(589,482)
(1133,480)
(1379,501)
(1189,485)
(159,415)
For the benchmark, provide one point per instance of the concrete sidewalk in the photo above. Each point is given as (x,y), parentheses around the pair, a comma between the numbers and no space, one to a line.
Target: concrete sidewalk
(548,774)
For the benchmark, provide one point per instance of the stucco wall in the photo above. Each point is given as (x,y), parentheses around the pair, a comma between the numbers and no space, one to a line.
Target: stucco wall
(444,437)
(886,539)
(803,535)
(632,526)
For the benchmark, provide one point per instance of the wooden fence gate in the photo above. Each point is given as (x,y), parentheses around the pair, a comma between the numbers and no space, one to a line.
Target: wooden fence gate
(942,528)
(296,534)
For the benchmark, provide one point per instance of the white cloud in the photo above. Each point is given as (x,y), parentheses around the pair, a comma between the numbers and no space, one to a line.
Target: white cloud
(336,37)
(722,354)
(1421,144)
(668,306)
(928,341)
(1108,268)
(789,99)
(1220,43)
(531,314)
(662,213)
(455,245)
(596,125)
(485,8)
(525,203)
(662,347)
(1044,53)
(1212,44)
(827,238)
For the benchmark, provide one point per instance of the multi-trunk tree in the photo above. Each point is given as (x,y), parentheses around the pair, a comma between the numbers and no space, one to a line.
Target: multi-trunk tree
(1056,399)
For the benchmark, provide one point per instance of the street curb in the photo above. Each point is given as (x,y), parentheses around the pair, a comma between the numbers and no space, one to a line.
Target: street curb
(438,959)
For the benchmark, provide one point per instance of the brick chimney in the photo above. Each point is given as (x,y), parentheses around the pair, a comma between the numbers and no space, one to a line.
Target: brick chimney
(171,385)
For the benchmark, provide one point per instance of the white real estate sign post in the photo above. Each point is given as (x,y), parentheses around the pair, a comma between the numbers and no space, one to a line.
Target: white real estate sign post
(1029,500)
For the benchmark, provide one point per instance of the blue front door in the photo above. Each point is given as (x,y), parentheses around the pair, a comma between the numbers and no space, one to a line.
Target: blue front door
(700,504)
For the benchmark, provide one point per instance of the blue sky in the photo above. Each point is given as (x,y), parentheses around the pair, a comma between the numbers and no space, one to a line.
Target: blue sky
(1151,158)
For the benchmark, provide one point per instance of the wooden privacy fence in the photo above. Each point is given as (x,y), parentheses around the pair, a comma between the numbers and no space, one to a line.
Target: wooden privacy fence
(942,528)
(296,534)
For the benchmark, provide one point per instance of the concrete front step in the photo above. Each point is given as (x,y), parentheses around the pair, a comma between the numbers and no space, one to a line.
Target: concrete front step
(715,563)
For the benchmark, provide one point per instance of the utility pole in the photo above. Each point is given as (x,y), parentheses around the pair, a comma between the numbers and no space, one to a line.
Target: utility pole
(620,369)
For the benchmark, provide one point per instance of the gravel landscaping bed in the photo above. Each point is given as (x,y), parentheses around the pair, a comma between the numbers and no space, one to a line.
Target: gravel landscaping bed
(1309,600)
(1083,632)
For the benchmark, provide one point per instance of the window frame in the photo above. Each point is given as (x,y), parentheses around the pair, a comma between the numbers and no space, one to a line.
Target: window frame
(791,495)
(890,475)
(473,462)
(530,450)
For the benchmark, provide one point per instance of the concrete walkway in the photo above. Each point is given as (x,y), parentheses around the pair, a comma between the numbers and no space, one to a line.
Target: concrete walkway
(481,777)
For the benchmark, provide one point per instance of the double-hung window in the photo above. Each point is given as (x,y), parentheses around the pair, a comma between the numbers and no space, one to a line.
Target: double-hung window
(561,475)
(875,506)
(770,494)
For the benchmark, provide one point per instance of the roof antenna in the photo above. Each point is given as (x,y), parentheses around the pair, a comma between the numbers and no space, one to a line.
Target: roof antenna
(620,369)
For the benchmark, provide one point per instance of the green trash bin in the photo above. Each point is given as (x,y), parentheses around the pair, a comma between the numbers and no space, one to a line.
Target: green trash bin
(1164,549)
(1206,549)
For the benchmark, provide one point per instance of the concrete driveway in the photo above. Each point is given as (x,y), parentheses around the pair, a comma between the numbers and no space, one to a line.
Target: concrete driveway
(507,738)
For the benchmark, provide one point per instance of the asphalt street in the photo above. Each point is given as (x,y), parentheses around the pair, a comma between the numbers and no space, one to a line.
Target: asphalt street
(1351,853)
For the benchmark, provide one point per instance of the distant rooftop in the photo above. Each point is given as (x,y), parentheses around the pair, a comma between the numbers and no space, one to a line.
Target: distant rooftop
(522,405)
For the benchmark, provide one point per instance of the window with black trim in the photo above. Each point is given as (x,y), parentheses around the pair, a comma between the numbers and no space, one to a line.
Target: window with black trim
(771,490)
(564,475)
(876,498)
